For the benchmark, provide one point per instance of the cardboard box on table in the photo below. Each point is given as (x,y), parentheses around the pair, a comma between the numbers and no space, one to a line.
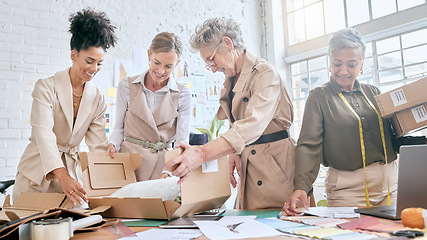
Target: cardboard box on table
(401,98)
(31,203)
(201,191)
(410,120)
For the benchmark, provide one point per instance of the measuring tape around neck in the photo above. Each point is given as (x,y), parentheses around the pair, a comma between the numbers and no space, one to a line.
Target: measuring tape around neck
(362,144)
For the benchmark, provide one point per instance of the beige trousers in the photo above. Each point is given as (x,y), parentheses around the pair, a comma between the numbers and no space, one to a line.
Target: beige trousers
(347,188)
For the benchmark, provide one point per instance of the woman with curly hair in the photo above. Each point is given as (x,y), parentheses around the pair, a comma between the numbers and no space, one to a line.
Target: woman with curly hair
(66,108)
(255,101)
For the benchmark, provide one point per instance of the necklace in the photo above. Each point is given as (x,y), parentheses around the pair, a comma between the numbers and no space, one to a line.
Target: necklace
(76,95)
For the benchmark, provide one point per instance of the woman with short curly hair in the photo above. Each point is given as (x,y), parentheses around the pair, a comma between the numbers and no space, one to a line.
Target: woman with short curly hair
(66,108)
(255,101)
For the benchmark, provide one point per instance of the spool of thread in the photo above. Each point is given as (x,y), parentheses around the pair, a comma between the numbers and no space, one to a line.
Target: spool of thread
(51,229)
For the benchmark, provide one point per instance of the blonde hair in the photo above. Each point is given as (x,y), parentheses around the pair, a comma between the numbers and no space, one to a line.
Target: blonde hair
(165,42)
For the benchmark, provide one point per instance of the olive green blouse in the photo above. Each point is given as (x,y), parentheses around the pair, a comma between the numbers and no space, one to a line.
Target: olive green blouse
(330,133)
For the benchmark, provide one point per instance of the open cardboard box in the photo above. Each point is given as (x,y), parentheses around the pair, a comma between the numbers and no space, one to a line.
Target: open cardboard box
(31,203)
(206,188)
(402,98)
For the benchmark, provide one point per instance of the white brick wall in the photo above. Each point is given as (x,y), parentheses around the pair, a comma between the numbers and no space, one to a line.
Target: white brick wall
(34,43)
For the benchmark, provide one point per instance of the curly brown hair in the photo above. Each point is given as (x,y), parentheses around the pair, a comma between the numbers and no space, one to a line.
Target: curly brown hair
(91,29)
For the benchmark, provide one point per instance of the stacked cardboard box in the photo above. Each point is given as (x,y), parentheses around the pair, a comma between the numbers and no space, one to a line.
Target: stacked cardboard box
(406,106)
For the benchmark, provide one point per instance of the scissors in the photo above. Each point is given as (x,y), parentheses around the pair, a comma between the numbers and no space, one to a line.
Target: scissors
(402,233)
(232,227)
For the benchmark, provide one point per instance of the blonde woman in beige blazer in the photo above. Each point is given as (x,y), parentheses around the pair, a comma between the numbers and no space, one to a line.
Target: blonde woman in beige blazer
(255,102)
(66,108)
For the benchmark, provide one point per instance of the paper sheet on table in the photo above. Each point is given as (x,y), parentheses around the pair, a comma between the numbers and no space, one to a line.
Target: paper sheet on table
(249,228)
(166,234)
(333,212)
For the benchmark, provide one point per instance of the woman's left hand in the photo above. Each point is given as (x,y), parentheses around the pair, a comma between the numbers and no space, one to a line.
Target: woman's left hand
(189,160)
(71,187)
(234,163)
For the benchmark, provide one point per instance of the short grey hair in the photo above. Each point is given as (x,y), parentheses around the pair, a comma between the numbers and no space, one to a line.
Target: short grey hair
(346,38)
(210,33)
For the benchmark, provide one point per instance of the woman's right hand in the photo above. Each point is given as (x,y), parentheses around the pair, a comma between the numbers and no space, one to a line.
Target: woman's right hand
(290,206)
(71,187)
(234,163)
(111,149)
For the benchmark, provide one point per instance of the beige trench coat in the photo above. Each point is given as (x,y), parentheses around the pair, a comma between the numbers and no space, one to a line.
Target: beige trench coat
(54,142)
(141,123)
(260,105)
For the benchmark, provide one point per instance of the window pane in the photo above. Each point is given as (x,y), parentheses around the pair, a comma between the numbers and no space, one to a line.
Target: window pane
(415,70)
(368,65)
(366,78)
(296,27)
(390,60)
(381,8)
(317,63)
(368,51)
(318,77)
(300,81)
(414,38)
(298,68)
(334,15)
(405,4)
(308,2)
(357,11)
(292,5)
(300,93)
(299,109)
(388,45)
(415,55)
(314,20)
(391,75)
(296,127)
(387,88)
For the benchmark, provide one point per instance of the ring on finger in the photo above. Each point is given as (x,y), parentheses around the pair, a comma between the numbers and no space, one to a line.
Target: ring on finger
(72,191)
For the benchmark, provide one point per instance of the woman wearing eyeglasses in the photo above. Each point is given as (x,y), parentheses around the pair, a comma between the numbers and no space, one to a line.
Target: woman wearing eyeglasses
(152,109)
(255,102)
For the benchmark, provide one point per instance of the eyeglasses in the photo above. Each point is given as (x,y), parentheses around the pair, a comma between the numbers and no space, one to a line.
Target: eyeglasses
(210,65)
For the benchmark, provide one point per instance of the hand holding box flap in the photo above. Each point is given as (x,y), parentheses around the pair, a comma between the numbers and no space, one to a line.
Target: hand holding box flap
(170,155)
(203,191)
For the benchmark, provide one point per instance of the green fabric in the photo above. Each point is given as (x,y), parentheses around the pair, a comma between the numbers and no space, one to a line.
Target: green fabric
(144,223)
(258,213)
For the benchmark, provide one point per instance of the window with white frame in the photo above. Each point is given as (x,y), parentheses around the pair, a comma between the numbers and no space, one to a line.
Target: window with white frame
(392,58)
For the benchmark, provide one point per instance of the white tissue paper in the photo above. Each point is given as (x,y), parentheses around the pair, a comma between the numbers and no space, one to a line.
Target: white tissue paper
(167,189)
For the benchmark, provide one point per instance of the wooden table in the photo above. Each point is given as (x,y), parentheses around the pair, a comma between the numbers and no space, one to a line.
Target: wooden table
(103,234)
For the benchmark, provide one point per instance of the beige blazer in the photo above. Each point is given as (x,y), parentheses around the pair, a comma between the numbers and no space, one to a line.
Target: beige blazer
(141,123)
(54,142)
(260,105)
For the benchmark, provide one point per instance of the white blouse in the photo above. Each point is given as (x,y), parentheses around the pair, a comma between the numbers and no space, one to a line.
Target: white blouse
(153,101)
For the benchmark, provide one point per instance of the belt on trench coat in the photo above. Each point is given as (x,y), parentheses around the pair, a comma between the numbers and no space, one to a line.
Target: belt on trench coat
(155,147)
(272,137)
